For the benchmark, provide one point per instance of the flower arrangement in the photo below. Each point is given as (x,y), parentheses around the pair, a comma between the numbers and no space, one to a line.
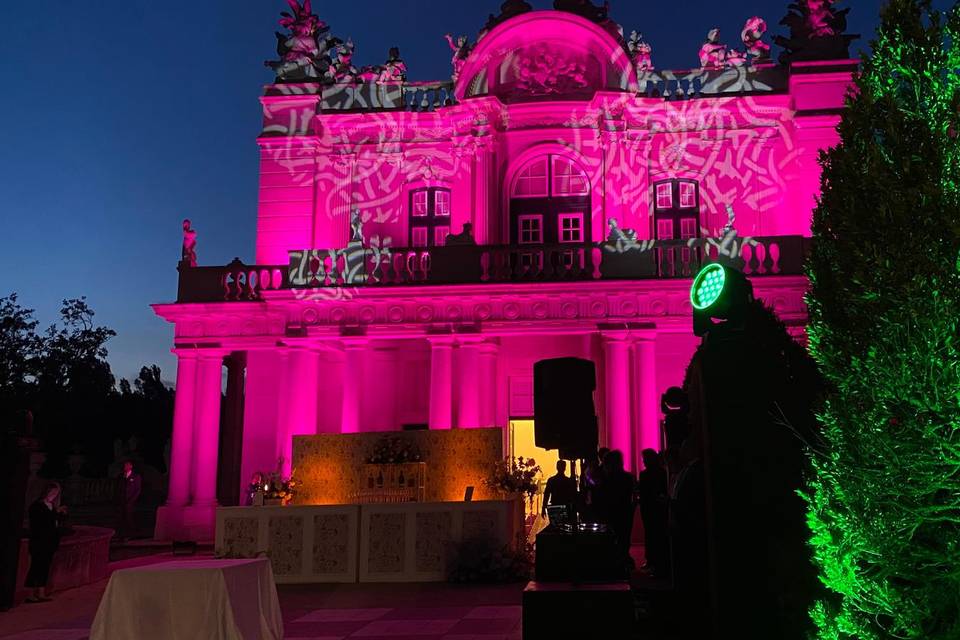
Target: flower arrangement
(514,475)
(276,487)
(392,450)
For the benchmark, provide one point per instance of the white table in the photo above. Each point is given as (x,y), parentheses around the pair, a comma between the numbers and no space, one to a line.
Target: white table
(181,600)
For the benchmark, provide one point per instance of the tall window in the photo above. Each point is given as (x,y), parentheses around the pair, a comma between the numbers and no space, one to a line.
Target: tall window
(676,209)
(429,217)
(550,202)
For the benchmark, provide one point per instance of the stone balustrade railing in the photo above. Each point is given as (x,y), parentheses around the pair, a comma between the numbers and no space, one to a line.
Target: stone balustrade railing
(359,265)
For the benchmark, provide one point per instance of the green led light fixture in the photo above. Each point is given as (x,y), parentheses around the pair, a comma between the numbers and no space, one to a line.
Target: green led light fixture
(707,286)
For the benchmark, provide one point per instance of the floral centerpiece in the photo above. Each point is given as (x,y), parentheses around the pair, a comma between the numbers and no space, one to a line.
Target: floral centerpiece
(392,450)
(515,476)
(279,490)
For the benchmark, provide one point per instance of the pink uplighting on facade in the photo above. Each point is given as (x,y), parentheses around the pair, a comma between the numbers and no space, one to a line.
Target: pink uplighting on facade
(548,134)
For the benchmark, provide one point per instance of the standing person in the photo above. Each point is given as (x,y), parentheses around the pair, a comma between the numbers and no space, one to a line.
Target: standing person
(129,494)
(561,489)
(45,515)
(652,493)
(615,499)
(591,477)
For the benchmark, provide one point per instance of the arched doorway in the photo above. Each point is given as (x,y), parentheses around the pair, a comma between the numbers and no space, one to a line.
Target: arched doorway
(550,203)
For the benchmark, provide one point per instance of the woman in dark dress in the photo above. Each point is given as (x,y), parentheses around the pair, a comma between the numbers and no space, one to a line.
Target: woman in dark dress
(45,514)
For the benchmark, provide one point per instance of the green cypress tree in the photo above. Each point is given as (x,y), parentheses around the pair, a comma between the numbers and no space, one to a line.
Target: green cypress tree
(884,498)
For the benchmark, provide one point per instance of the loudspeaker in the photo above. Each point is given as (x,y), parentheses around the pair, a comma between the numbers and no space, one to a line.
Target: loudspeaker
(563,411)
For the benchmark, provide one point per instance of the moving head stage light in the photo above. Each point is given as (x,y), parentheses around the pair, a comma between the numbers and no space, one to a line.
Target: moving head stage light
(719,296)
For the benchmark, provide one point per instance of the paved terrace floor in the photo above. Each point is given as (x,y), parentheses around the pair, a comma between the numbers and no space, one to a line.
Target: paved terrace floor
(438,611)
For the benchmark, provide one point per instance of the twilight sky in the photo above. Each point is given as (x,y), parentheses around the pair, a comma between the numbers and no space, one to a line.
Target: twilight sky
(123,117)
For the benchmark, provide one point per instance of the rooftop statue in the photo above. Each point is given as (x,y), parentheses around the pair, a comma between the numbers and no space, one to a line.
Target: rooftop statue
(189,252)
(341,68)
(640,53)
(713,54)
(508,9)
(586,9)
(752,34)
(817,32)
(303,51)
(394,69)
(461,49)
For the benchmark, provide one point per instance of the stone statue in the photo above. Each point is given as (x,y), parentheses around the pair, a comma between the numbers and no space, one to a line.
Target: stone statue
(713,54)
(461,49)
(341,68)
(394,69)
(356,226)
(465,237)
(817,32)
(623,240)
(189,253)
(753,30)
(508,9)
(303,51)
(640,53)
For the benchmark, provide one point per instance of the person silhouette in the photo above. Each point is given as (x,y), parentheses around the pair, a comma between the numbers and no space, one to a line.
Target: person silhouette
(652,493)
(561,489)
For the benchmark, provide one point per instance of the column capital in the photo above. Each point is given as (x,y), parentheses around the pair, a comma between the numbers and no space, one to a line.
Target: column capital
(627,331)
(442,340)
(186,353)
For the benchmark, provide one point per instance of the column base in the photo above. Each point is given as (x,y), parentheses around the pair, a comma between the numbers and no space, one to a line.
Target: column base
(180,523)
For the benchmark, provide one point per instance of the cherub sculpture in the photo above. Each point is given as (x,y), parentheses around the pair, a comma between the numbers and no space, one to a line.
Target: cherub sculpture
(640,53)
(753,30)
(303,51)
(189,253)
(713,54)
(623,240)
(461,49)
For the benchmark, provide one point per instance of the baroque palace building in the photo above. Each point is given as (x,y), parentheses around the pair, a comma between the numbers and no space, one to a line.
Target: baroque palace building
(421,244)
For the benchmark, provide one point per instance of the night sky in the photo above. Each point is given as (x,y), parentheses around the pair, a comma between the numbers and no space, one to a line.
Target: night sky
(122,118)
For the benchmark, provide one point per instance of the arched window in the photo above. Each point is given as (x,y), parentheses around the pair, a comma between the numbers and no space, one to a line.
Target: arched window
(676,209)
(550,202)
(429,219)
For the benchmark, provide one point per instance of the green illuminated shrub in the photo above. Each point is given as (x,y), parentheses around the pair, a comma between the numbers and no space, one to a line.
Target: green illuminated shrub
(884,500)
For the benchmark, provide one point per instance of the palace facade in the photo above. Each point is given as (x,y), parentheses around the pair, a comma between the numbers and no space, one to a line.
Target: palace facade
(421,244)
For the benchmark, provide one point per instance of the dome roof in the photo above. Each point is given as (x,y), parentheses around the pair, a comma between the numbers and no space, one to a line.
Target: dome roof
(546,55)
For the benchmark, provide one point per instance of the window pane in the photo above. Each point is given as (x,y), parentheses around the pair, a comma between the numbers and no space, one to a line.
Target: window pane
(531,229)
(441,202)
(570,227)
(419,236)
(568,179)
(664,195)
(688,228)
(665,229)
(532,181)
(688,197)
(440,236)
(419,203)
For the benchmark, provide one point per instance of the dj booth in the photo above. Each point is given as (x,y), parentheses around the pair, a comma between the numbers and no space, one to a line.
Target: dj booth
(580,584)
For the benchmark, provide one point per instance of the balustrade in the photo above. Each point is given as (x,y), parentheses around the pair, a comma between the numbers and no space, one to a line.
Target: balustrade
(359,265)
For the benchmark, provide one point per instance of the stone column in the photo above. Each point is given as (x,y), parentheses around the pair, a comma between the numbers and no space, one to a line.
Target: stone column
(488,383)
(299,396)
(616,385)
(648,400)
(229,482)
(352,376)
(441,387)
(206,437)
(181,442)
(469,384)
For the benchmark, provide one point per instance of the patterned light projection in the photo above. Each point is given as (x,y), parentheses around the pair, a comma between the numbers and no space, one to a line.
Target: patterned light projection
(348,328)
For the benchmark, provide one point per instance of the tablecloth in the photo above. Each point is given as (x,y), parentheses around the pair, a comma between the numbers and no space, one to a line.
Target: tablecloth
(191,599)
